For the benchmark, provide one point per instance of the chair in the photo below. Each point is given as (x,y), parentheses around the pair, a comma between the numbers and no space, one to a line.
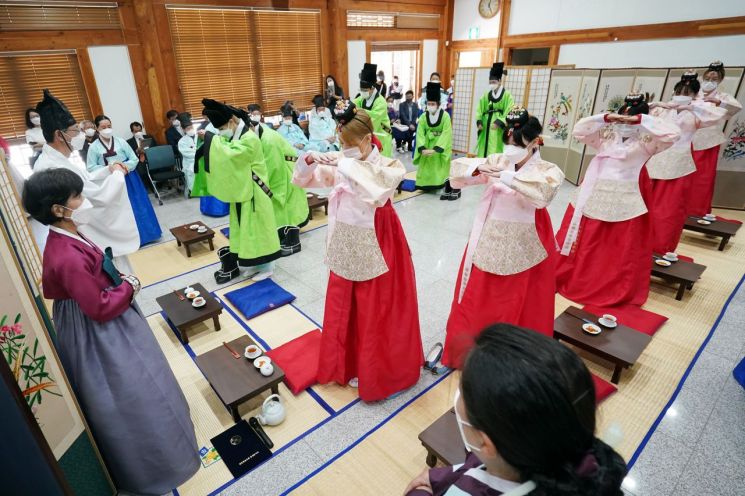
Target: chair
(162,166)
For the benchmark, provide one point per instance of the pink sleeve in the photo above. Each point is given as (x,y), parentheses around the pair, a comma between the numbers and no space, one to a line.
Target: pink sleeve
(77,277)
(587,130)
(312,175)
(660,135)
(707,115)
(462,182)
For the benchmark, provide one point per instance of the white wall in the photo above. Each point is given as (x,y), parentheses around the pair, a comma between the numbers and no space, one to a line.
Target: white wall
(683,52)
(466,15)
(116,86)
(535,16)
(356,58)
(429,60)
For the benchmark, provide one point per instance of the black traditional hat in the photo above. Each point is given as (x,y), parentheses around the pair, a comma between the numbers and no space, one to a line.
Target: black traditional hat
(218,113)
(433,92)
(368,76)
(185,119)
(634,104)
(689,75)
(716,66)
(344,111)
(497,71)
(517,117)
(54,114)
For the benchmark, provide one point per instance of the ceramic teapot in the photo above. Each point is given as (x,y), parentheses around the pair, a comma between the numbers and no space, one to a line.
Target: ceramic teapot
(272,411)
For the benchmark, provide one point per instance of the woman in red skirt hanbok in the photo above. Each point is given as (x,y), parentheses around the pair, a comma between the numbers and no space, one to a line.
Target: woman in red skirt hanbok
(606,249)
(707,142)
(671,171)
(508,269)
(371,335)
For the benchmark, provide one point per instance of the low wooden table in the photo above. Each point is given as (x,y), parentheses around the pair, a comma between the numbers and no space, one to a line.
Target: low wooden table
(315,202)
(442,441)
(683,273)
(236,380)
(621,346)
(718,228)
(187,237)
(182,314)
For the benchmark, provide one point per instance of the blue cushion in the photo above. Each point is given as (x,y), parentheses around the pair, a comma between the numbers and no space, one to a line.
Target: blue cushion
(260,297)
(225,232)
(409,185)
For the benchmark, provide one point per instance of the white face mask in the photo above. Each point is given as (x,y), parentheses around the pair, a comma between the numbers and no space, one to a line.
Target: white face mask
(461,423)
(352,152)
(625,130)
(709,86)
(514,154)
(36,121)
(330,84)
(435,80)
(494,86)
(287,122)
(432,109)
(380,79)
(390,104)
(90,132)
(227,132)
(78,141)
(365,94)
(191,132)
(139,134)
(81,215)
(106,133)
(256,119)
(176,123)
(682,99)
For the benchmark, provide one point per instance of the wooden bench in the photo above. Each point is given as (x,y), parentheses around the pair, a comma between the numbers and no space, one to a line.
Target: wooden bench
(683,273)
(718,228)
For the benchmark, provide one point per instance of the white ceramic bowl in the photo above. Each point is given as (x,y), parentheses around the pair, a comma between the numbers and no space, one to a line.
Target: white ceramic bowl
(704,222)
(192,294)
(262,360)
(591,329)
(194,227)
(252,356)
(198,302)
(610,324)
(670,256)
(663,263)
(711,217)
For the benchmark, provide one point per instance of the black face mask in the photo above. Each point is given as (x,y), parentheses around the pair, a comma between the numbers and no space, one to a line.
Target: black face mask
(409,98)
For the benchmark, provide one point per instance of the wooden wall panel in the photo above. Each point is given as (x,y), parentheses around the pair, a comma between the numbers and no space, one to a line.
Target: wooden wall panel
(17,41)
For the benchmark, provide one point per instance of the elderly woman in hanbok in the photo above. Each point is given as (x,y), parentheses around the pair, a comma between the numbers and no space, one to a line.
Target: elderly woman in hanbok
(707,141)
(127,392)
(293,133)
(671,171)
(322,127)
(109,149)
(371,323)
(508,269)
(605,237)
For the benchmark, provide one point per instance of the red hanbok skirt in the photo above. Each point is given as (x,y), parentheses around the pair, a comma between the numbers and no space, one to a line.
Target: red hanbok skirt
(371,328)
(667,212)
(525,299)
(702,181)
(611,263)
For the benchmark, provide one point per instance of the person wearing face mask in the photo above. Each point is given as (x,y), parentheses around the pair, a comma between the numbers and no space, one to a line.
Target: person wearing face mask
(174,132)
(509,265)
(375,106)
(396,91)
(139,142)
(321,127)
(34,135)
(332,92)
(208,204)
(605,235)
(112,222)
(236,173)
(187,147)
(525,409)
(434,141)
(109,150)
(371,337)
(126,389)
(89,130)
(707,141)
(408,113)
(433,78)
(292,132)
(392,114)
(671,170)
(380,84)
(290,204)
(493,107)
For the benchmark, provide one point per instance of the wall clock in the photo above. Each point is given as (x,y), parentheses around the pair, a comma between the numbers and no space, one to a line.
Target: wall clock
(488,8)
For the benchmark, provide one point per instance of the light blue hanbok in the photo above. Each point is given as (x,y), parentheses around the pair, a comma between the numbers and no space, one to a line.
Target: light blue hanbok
(294,135)
(322,127)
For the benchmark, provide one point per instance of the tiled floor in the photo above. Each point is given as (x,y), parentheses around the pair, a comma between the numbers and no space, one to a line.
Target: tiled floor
(699,447)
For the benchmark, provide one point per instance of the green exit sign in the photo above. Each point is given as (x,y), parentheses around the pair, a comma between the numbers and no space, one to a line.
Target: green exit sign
(473,33)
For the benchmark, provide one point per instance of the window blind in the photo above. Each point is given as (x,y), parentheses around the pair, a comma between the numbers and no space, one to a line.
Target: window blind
(24,76)
(48,15)
(245,56)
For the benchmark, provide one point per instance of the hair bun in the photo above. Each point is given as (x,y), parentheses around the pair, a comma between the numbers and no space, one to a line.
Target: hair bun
(344,111)
(517,117)
(689,75)
(717,65)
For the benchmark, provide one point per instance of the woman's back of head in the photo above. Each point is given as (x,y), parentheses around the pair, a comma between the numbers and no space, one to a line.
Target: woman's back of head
(535,400)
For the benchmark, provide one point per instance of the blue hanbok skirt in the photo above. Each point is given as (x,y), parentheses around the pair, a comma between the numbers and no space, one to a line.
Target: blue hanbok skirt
(211,206)
(147,222)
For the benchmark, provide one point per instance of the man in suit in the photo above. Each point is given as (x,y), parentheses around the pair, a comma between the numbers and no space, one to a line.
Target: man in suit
(408,112)
(174,131)
(138,136)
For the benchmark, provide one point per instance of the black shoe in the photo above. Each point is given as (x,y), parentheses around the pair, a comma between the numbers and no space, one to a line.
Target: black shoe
(289,240)
(221,276)
(229,266)
(454,195)
(445,196)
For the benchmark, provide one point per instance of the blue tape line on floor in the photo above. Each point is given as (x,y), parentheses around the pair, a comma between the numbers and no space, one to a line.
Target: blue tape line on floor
(657,421)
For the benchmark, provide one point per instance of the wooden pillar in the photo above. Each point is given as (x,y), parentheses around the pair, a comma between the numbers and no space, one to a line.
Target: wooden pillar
(89,81)
(553,55)
(504,26)
(444,52)
(338,66)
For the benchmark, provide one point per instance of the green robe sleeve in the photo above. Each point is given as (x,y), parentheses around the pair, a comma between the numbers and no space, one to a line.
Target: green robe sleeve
(421,123)
(445,140)
(232,164)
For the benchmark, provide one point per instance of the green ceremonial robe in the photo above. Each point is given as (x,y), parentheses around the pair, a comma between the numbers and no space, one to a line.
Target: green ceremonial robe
(231,168)
(381,123)
(433,170)
(491,110)
(289,201)
(199,188)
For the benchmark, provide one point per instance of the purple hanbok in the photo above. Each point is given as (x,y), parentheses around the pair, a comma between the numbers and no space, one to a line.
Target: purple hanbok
(129,396)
